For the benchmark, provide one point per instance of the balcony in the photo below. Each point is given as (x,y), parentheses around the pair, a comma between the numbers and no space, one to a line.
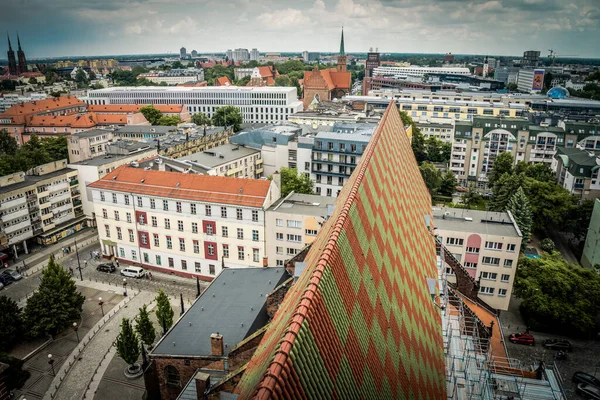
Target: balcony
(45,205)
(58,187)
(259,171)
(76,203)
(16,214)
(62,218)
(16,227)
(74,182)
(233,171)
(259,161)
(48,216)
(64,207)
(578,186)
(13,203)
(61,197)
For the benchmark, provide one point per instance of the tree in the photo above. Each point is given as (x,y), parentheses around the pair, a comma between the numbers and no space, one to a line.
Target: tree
(557,296)
(291,181)
(144,327)
(164,312)
(418,140)
(283,80)
(470,197)
(518,205)
(11,322)
(176,65)
(97,85)
(228,116)
(81,77)
(172,120)
(437,151)
(33,81)
(201,119)
(14,376)
(128,343)
(505,188)
(152,114)
(550,203)
(540,172)
(502,164)
(547,245)
(448,184)
(55,304)
(578,221)
(8,144)
(512,87)
(242,82)
(432,177)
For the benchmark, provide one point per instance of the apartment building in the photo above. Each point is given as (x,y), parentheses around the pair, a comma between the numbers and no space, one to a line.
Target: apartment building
(487,244)
(439,128)
(577,171)
(265,104)
(187,224)
(43,203)
(88,144)
(293,222)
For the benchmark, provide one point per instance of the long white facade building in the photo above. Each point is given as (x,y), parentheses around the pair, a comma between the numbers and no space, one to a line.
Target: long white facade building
(419,71)
(266,104)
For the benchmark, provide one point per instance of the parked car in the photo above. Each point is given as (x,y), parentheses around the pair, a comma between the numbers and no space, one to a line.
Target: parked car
(133,272)
(588,391)
(557,344)
(12,274)
(5,280)
(522,338)
(582,377)
(1,285)
(461,189)
(106,268)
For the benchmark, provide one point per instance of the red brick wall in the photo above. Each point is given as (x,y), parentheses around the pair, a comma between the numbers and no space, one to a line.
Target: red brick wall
(275,298)
(243,352)
(168,392)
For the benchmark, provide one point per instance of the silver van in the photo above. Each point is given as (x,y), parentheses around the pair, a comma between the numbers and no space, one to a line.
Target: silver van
(133,272)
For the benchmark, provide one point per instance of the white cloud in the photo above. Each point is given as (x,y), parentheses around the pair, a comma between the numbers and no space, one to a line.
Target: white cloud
(288,18)
(187,25)
(135,29)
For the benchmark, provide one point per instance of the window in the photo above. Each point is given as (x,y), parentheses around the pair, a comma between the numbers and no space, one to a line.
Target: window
(455,242)
(210,249)
(166,205)
(146,258)
(255,235)
(209,229)
(255,255)
(193,208)
(225,251)
(280,263)
(254,216)
(505,278)
(102,198)
(279,236)
(128,216)
(279,222)
(311,232)
(181,244)
(131,235)
(238,213)
(294,238)
(196,247)
(158,260)
(126,197)
(208,210)
(294,224)
(470,265)
(449,271)
(508,263)
(194,227)
(171,262)
(502,292)
(154,222)
(474,250)
(279,250)
(491,276)
(133,255)
(167,223)
(104,213)
(152,204)
(329,192)
(178,206)
(211,269)
(119,234)
(224,231)
(491,260)
(511,247)
(114,198)
(144,237)
(169,242)
(142,219)
(180,226)
(197,267)
(291,252)
(223,212)
(139,201)
(240,233)
(184,265)
(240,252)
(156,240)
(117,218)
(486,290)
(493,246)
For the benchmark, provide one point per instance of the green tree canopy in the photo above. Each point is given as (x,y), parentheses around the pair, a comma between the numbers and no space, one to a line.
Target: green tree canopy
(128,343)
(172,120)
(432,177)
(81,78)
(557,296)
(448,184)
(8,144)
(504,188)
(152,114)
(283,80)
(518,205)
(418,140)
(11,323)
(243,81)
(470,197)
(549,202)
(55,304)
(292,181)
(502,164)
(144,327)
(164,311)
(228,116)
(201,119)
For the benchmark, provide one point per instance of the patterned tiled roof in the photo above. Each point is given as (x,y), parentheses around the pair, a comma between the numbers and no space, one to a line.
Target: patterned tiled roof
(360,322)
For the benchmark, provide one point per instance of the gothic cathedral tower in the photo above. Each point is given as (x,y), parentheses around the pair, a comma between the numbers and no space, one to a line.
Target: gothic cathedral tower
(21,57)
(341,63)
(12,63)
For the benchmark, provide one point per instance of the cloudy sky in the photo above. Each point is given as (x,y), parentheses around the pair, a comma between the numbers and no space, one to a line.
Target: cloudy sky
(104,27)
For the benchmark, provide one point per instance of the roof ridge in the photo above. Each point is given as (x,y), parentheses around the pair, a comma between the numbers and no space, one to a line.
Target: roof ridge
(297,318)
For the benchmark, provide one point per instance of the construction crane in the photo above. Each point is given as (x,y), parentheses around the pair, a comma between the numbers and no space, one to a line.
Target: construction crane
(553,54)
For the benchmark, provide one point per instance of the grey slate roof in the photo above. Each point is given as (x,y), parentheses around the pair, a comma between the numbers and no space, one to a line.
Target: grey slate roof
(219,155)
(233,305)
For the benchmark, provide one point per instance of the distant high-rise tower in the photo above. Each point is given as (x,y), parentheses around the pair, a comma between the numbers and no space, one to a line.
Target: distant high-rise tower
(341,64)
(12,63)
(182,53)
(486,67)
(21,55)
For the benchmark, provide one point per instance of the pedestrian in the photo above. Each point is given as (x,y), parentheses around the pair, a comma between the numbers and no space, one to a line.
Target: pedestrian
(117,261)
(71,271)
(85,263)
(63,249)
(91,254)
(150,275)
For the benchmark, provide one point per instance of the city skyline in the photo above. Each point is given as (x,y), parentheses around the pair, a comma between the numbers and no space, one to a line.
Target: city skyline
(500,27)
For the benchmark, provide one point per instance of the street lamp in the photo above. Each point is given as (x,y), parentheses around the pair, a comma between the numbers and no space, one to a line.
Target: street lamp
(75,328)
(124,287)
(51,362)
(78,262)
(100,303)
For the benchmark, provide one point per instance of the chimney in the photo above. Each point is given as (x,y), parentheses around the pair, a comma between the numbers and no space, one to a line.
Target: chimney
(265,262)
(202,384)
(216,344)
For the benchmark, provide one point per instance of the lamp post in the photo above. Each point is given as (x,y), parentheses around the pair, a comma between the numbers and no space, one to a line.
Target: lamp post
(124,287)
(75,328)
(78,262)
(51,362)
(101,303)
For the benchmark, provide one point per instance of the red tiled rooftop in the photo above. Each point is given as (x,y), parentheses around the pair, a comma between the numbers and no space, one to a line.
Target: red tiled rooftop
(39,106)
(133,108)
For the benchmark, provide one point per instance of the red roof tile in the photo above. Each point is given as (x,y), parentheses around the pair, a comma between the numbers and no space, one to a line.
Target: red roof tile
(39,106)
(223,81)
(217,189)
(133,108)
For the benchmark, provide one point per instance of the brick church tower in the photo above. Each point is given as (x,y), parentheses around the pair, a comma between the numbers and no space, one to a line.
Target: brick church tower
(341,63)
(12,63)
(21,57)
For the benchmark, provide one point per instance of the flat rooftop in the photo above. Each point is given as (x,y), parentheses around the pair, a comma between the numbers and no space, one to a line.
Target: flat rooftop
(33,179)
(304,204)
(358,136)
(184,89)
(146,129)
(219,155)
(92,133)
(102,160)
(475,221)
(233,305)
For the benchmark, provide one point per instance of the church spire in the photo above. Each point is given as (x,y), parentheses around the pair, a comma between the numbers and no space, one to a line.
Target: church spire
(19,41)
(342,51)
(9,46)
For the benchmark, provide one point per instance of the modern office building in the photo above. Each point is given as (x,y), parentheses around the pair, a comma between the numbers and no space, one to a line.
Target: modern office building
(266,104)
(183,53)
(414,71)
(293,222)
(591,250)
(487,244)
(310,56)
(577,171)
(187,224)
(530,80)
(531,58)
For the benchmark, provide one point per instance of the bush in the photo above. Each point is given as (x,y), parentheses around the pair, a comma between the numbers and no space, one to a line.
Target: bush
(15,376)
(547,245)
